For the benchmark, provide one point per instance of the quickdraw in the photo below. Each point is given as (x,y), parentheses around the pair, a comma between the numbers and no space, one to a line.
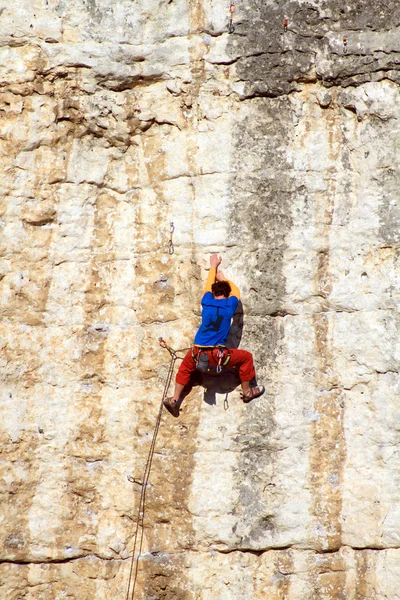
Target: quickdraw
(231,13)
(226,403)
(220,356)
(171,248)
(285,24)
(345,44)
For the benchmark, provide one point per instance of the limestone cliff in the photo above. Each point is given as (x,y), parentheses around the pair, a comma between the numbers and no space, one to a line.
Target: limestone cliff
(276,145)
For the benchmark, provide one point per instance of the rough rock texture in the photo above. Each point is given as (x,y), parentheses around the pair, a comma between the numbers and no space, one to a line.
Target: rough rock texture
(277,146)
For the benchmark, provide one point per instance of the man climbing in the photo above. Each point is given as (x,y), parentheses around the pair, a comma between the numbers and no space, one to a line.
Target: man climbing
(219,302)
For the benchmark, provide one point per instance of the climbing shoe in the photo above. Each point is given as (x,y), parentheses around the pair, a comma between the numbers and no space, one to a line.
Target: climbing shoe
(255,392)
(172,406)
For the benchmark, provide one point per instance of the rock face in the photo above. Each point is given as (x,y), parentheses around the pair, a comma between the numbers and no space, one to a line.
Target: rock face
(276,145)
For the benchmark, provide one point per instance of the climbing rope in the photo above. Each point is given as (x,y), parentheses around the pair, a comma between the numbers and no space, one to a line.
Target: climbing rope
(138,540)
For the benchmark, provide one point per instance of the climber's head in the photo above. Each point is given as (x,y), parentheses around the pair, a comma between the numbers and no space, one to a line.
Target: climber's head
(221,289)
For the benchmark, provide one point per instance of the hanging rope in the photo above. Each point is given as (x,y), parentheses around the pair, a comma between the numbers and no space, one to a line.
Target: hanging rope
(138,540)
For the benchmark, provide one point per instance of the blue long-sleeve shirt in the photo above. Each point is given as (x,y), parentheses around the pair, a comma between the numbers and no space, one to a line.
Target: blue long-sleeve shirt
(216,315)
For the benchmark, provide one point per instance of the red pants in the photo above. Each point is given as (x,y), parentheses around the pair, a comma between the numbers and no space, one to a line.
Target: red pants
(241,359)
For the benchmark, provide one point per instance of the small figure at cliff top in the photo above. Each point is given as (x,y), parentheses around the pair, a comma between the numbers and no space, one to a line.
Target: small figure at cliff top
(219,302)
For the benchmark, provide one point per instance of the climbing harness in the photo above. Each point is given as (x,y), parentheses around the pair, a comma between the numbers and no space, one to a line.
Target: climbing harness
(138,540)
(345,44)
(202,362)
(231,28)
(171,248)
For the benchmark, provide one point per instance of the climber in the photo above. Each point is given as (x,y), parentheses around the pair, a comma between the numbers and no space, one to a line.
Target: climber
(219,302)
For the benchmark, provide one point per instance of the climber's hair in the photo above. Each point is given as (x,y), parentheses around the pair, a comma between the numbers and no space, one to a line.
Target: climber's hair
(221,288)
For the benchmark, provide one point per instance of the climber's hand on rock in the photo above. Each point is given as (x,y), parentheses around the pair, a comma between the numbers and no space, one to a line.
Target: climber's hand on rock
(215,260)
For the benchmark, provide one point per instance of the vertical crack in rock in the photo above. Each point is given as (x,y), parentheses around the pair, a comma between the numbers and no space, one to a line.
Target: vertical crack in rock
(327,451)
(88,444)
(328,448)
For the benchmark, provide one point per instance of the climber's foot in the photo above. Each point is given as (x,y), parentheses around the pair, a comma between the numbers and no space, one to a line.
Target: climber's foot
(254,392)
(172,406)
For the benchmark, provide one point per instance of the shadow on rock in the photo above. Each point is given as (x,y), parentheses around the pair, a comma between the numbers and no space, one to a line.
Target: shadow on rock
(224,383)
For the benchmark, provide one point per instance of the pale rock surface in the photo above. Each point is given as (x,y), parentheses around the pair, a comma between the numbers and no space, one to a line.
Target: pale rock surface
(280,150)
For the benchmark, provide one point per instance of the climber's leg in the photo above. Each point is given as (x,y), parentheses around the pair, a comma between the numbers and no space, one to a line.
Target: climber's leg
(185,370)
(243,360)
(177,391)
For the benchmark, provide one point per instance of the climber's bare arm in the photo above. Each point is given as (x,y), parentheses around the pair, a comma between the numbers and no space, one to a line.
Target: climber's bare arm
(215,261)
